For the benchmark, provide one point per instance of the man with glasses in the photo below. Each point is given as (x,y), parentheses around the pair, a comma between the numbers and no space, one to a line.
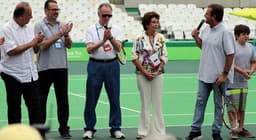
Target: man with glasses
(103,42)
(52,63)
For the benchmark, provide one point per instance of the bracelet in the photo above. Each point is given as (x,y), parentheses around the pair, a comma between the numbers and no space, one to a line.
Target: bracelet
(110,38)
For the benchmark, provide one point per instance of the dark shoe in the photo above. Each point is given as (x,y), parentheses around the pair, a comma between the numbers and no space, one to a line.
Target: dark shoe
(194,136)
(118,135)
(246,133)
(216,136)
(65,135)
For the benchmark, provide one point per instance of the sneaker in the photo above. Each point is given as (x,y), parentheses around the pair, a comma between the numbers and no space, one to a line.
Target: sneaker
(216,136)
(233,135)
(194,136)
(65,135)
(139,137)
(88,135)
(118,135)
(246,133)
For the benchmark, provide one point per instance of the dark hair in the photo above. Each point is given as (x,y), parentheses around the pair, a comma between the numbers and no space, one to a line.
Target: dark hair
(147,18)
(104,4)
(46,4)
(20,9)
(217,11)
(241,29)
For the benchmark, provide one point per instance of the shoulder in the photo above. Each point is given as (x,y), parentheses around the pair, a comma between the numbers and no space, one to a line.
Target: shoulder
(160,36)
(115,27)
(91,28)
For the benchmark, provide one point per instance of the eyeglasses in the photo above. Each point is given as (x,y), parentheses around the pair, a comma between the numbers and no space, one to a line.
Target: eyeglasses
(55,10)
(106,15)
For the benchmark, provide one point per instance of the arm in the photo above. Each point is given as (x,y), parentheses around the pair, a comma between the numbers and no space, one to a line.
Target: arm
(91,47)
(67,41)
(108,36)
(245,73)
(24,47)
(228,63)
(64,30)
(198,40)
(138,65)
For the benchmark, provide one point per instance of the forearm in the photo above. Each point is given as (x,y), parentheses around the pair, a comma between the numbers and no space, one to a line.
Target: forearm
(198,41)
(138,65)
(116,44)
(20,49)
(91,47)
(48,42)
(228,63)
(68,41)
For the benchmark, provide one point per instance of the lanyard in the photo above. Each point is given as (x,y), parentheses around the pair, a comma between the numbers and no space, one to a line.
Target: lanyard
(49,28)
(97,29)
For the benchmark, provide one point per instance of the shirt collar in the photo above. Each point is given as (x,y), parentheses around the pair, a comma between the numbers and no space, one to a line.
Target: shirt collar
(16,25)
(98,26)
(47,22)
(218,26)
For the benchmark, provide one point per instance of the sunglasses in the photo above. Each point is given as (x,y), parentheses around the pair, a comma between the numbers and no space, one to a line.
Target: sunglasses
(106,15)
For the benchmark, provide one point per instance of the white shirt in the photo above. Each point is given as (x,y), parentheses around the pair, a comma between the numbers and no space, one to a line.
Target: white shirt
(21,66)
(217,43)
(95,33)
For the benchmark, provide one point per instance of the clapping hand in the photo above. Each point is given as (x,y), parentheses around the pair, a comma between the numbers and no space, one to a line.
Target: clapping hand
(66,28)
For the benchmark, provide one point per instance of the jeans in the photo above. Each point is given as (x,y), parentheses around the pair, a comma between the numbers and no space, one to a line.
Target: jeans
(202,98)
(109,74)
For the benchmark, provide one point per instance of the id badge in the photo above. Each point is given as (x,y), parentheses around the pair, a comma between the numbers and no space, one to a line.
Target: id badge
(58,44)
(154,59)
(107,47)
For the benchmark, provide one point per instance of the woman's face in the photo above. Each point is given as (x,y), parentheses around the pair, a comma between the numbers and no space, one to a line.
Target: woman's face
(153,25)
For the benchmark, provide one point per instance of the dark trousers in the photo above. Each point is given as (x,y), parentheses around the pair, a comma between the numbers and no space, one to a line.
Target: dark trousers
(109,74)
(30,93)
(59,79)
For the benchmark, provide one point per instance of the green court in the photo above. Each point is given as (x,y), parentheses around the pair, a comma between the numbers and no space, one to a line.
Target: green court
(178,106)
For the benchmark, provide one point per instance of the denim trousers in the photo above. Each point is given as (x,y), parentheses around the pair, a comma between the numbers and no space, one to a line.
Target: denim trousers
(204,90)
(109,74)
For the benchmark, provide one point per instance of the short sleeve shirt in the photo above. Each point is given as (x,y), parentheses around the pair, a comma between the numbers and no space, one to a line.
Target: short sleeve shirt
(243,57)
(54,56)
(217,43)
(21,66)
(95,33)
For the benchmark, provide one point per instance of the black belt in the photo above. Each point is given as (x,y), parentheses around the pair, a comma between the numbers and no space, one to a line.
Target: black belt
(102,60)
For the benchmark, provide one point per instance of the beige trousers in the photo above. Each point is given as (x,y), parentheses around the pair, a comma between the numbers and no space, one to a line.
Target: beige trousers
(151,93)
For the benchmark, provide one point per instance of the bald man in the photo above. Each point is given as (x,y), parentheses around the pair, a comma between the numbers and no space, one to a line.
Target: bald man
(17,67)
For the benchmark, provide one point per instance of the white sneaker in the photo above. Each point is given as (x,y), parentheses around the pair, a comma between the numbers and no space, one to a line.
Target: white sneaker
(118,135)
(88,135)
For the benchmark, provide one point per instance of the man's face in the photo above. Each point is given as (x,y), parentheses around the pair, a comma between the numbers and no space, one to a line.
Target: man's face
(52,11)
(27,16)
(105,13)
(208,16)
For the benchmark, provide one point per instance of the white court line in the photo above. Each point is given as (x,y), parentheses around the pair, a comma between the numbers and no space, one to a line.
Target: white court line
(105,103)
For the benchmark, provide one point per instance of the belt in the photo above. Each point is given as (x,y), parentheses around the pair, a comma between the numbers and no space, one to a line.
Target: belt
(102,60)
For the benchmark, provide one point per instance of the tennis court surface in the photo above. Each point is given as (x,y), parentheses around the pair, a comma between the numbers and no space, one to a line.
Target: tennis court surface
(180,87)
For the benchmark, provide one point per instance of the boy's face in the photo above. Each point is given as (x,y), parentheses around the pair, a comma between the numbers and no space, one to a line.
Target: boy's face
(242,38)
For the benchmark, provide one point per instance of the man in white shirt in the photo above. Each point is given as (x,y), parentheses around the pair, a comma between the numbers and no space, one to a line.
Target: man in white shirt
(17,66)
